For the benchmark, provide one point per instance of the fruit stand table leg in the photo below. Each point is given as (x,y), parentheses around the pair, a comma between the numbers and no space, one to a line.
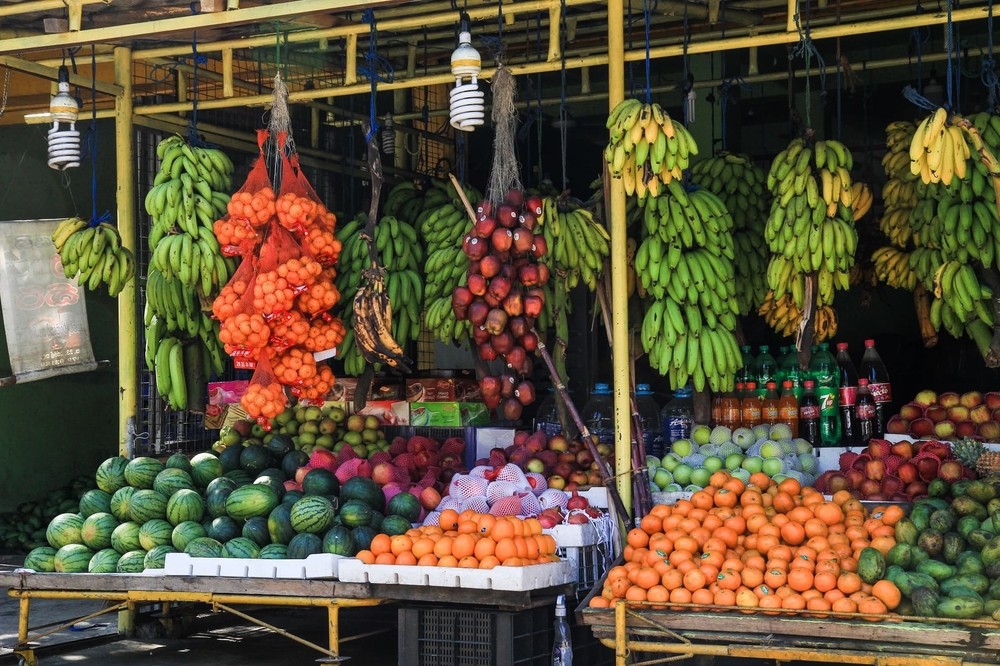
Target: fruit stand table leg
(25,654)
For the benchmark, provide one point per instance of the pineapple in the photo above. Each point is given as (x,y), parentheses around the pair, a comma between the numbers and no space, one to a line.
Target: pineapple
(988,463)
(968,452)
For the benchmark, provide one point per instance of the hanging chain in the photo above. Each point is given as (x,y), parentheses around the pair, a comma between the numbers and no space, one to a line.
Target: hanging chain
(6,91)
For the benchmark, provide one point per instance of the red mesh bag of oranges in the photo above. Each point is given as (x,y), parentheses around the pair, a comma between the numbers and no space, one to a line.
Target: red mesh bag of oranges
(317,392)
(243,331)
(325,333)
(265,397)
(284,272)
(295,367)
(320,296)
(250,209)
(289,329)
(301,211)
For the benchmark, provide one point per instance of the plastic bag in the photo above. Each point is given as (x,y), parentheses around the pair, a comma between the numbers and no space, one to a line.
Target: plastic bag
(265,397)
(250,208)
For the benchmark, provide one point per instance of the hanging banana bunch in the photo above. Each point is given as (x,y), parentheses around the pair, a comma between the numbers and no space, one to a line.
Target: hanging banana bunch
(578,244)
(892,262)
(94,255)
(938,150)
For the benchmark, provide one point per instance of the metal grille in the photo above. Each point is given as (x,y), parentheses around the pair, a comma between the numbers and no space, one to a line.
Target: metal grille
(434,154)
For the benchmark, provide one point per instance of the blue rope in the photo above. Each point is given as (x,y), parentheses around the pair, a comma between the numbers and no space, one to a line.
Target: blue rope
(918,100)
(988,73)
(90,145)
(376,68)
(647,17)
(958,68)
(686,86)
(949,46)
(807,50)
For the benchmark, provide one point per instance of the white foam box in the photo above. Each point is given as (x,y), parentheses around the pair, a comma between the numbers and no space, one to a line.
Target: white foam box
(573,536)
(596,495)
(508,579)
(491,438)
(319,566)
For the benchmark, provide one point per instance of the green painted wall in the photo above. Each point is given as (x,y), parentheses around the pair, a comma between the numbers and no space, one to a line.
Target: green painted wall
(52,431)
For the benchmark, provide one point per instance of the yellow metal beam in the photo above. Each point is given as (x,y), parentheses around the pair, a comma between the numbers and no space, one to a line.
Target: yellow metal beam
(52,74)
(18,8)
(128,325)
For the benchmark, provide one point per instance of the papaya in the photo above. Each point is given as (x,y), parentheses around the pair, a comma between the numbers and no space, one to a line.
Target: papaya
(966,524)
(962,591)
(918,557)
(871,565)
(906,531)
(935,503)
(977,539)
(961,608)
(966,506)
(969,562)
(942,520)
(939,571)
(954,545)
(991,551)
(920,516)
(993,505)
(992,606)
(938,488)
(925,601)
(959,487)
(912,580)
(977,583)
(931,542)
(981,491)
(901,555)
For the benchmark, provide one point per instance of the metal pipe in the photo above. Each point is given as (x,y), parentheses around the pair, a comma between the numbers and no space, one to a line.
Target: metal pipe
(128,325)
(42,6)
(351,68)
(52,74)
(619,270)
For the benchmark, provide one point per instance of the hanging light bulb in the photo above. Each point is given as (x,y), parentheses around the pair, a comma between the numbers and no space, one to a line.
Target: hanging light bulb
(64,138)
(689,103)
(388,136)
(468,105)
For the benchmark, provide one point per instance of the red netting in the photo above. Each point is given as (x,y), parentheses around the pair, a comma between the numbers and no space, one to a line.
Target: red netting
(265,397)
(507,506)
(319,296)
(322,244)
(323,459)
(297,205)
(402,475)
(295,367)
(477,504)
(405,461)
(243,330)
(453,445)
(319,387)
(397,446)
(847,459)
(348,469)
(288,330)
(537,482)
(390,490)
(250,208)
(283,272)
(379,457)
(226,303)
(553,498)
(346,453)
(892,463)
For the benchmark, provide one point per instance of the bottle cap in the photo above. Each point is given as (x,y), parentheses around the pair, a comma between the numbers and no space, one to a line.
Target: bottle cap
(751,385)
(786,384)
(841,346)
(601,388)
(764,349)
(869,343)
(683,392)
(809,384)
(824,346)
(772,385)
(643,389)
(862,382)
(745,349)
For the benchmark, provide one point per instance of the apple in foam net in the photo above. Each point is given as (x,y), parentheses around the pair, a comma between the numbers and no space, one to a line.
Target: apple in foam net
(989,431)
(958,413)
(993,399)
(944,429)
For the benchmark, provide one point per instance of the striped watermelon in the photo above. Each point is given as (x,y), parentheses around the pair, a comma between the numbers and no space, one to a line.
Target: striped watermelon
(95,501)
(252,500)
(185,533)
(156,557)
(279,524)
(215,500)
(240,548)
(179,461)
(363,536)
(170,480)
(304,545)
(146,505)
(132,562)
(224,528)
(73,558)
(104,561)
(312,514)
(120,502)
(111,474)
(338,540)
(204,547)
(204,468)
(255,529)
(141,472)
(41,559)
(355,513)
(273,551)
(272,481)
(97,530)
(155,532)
(126,537)
(185,505)
(240,477)
(64,529)
(292,496)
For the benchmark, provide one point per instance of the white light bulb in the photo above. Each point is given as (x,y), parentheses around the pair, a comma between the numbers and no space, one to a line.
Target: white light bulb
(468,102)
(689,103)
(64,138)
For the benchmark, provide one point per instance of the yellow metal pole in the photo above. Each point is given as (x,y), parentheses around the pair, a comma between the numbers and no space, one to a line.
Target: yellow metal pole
(333,627)
(125,203)
(23,611)
(619,269)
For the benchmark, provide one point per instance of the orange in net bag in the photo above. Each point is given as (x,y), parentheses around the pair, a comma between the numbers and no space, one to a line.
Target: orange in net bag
(243,331)
(318,389)
(298,205)
(282,273)
(265,398)
(295,367)
(289,329)
(250,208)
(325,333)
(322,244)
(320,296)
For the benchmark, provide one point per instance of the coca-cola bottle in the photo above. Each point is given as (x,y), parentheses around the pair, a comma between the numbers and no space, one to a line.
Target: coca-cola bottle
(864,412)
(846,393)
(873,369)
(809,414)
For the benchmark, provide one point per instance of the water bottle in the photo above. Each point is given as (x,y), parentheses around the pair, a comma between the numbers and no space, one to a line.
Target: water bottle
(766,368)
(547,417)
(873,369)
(677,416)
(745,373)
(792,372)
(864,413)
(779,373)
(599,414)
(824,372)
(652,427)
(846,394)
(562,645)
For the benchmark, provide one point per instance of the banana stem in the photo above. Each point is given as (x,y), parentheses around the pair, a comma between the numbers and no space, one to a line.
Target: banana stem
(922,302)
(375,171)
(194,376)
(991,354)
(807,327)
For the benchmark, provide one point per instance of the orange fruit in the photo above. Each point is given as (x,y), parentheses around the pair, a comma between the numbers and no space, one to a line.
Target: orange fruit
(448,519)
(400,544)
(887,592)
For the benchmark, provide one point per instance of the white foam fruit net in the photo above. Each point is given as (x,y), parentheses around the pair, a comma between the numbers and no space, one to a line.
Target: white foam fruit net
(553,498)
(499,489)
(432,518)
(463,486)
(480,471)
(448,503)
(513,474)
(477,504)
(507,506)
(540,485)
(530,506)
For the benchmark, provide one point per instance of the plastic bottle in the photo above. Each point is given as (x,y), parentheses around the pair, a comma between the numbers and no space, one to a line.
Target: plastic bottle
(599,416)
(779,372)
(731,417)
(745,373)
(649,413)
(865,413)
(562,645)
(677,416)
(547,417)
(716,418)
(809,414)
(788,407)
(846,393)
(873,369)
(792,372)
(766,368)
(769,405)
(824,372)
(750,406)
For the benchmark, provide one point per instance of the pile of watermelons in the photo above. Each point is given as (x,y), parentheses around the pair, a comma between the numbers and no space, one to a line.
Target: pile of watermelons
(229,505)
(24,527)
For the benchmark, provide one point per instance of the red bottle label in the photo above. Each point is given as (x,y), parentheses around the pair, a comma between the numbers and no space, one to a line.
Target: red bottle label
(865,412)
(809,412)
(881,392)
(848,395)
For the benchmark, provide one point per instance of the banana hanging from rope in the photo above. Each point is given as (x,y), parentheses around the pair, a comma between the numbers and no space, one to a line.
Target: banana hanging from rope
(94,255)
(372,324)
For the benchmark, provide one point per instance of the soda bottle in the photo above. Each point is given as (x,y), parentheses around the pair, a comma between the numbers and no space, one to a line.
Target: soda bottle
(562,645)
(823,370)
(791,371)
(677,416)
(731,417)
(779,373)
(864,412)
(766,368)
(750,406)
(846,393)
(873,369)
(809,414)
(788,407)
(716,418)
(649,414)
(745,373)
(769,405)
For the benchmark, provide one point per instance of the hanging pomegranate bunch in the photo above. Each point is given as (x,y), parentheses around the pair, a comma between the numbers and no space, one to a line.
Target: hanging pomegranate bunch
(503,296)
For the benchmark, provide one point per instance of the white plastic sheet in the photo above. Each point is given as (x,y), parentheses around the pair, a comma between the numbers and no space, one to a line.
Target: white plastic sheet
(44,314)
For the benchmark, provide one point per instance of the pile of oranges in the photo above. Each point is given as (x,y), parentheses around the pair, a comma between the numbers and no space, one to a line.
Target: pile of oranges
(467,540)
(763,547)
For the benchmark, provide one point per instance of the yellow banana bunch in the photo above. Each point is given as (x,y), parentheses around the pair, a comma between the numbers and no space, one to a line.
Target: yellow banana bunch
(578,245)
(782,315)
(861,200)
(93,255)
(647,148)
(899,195)
(892,266)
(938,149)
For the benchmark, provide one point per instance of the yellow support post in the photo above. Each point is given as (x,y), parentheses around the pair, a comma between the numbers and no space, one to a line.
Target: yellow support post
(619,269)
(125,203)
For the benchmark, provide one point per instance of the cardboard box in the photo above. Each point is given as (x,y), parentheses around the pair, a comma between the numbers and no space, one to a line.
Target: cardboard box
(431,389)
(222,397)
(449,414)
(388,412)
(387,389)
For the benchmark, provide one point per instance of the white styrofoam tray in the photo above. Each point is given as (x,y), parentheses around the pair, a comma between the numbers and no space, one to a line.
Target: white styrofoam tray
(575,536)
(596,495)
(511,579)
(322,565)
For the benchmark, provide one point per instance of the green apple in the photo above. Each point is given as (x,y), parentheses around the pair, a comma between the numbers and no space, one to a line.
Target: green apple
(662,478)
(682,474)
(700,476)
(753,464)
(682,447)
(230,437)
(701,434)
(314,413)
(325,441)
(360,450)
(307,439)
(338,414)
(773,466)
(734,460)
(652,462)
(257,430)
(285,416)
(352,438)
(771,449)
(673,488)
(670,462)
(713,463)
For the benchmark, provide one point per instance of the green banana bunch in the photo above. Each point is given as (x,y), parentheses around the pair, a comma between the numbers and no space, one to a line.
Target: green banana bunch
(685,263)
(186,266)
(741,187)
(578,245)
(647,148)
(94,255)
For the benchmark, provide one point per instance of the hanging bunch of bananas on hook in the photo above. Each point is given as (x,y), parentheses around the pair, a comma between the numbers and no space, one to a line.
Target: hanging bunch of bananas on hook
(938,150)
(94,255)
(373,322)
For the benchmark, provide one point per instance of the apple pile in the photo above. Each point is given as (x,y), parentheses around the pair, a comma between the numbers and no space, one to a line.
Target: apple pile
(893,471)
(949,416)
(564,464)
(770,449)
(503,296)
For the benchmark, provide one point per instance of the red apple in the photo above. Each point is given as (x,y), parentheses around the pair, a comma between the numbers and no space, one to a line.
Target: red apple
(489,266)
(907,472)
(897,425)
(980,414)
(523,239)
(511,409)
(484,208)
(854,478)
(528,274)
(499,287)
(940,450)
(477,313)
(475,248)
(971,399)
(950,471)
(878,448)
(966,428)
(476,284)
(496,321)
(922,427)
(525,393)
(958,413)
(484,226)
(869,487)
(529,341)
(513,303)
(527,218)
(949,399)
(502,342)
(911,410)
(489,385)
(944,429)
(535,205)
(916,489)
(990,431)
(501,239)
(487,353)
(875,469)
(507,215)
(479,333)
(936,413)
(540,247)
(892,485)
(492,401)
(507,385)
(993,399)
(927,469)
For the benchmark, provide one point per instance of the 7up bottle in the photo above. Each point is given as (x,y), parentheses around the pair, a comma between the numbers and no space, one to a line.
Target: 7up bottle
(824,371)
